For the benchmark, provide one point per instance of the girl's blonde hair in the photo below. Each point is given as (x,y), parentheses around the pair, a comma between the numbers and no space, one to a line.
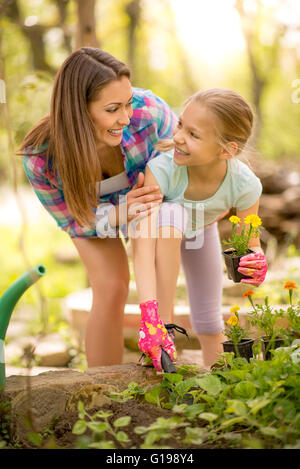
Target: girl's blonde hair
(234,117)
(69,129)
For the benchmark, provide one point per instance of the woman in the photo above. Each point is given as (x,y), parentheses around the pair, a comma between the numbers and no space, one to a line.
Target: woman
(100,130)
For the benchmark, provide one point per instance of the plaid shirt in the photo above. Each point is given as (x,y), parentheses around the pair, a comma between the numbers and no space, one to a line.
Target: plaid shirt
(151,121)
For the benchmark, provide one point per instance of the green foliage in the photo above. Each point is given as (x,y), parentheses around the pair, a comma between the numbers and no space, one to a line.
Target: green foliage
(236,405)
(29,90)
(236,399)
(5,417)
(133,391)
(265,318)
(100,427)
(161,429)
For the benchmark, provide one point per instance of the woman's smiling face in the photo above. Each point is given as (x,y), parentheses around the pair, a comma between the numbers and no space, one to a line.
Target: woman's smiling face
(195,137)
(112,111)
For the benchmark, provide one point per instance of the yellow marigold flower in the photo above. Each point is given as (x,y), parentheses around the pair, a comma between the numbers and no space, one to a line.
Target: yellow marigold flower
(253,220)
(234,309)
(232,321)
(290,286)
(234,219)
(248,293)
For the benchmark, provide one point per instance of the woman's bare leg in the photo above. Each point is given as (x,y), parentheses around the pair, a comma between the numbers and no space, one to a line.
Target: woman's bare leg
(107,268)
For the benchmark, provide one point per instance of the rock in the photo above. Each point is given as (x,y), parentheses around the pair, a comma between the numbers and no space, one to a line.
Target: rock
(291,199)
(34,371)
(40,398)
(93,395)
(270,203)
(45,397)
(276,179)
(41,406)
(292,227)
(52,351)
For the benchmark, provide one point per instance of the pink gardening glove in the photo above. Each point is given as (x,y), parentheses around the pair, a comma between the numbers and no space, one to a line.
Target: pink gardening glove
(255,266)
(153,336)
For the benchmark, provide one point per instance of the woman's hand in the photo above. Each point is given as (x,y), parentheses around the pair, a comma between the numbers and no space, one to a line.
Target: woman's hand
(140,202)
(255,266)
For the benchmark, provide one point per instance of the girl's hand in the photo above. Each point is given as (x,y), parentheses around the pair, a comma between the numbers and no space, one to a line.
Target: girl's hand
(255,266)
(140,201)
(153,336)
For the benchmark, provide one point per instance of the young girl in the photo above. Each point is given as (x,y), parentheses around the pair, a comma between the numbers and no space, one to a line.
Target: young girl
(200,180)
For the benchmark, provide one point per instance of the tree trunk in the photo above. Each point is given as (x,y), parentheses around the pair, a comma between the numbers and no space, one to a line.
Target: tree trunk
(258,83)
(62,6)
(35,36)
(133,10)
(86,24)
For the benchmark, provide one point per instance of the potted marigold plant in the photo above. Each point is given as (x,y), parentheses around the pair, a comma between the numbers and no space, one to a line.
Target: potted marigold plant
(237,342)
(238,244)
(265,319)
(293,312)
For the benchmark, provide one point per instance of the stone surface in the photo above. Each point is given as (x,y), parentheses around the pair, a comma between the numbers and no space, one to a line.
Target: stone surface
(93,395)
(50,350)
(41,399)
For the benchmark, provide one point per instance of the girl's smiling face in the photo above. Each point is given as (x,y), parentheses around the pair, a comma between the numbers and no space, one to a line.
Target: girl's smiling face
(112,111)
(195,137)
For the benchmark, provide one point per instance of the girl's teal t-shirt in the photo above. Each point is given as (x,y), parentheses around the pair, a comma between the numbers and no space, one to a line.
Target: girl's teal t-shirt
(240,189)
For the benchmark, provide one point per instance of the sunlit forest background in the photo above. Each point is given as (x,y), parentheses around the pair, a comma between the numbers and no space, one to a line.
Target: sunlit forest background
(172,47)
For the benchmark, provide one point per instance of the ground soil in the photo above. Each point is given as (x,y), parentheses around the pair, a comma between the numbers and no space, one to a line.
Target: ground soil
(141,413)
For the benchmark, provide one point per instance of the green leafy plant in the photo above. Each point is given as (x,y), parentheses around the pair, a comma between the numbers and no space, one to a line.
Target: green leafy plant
(5,417)
(264,317)
(133,391)
(239,241)
(161,429)
(100,427)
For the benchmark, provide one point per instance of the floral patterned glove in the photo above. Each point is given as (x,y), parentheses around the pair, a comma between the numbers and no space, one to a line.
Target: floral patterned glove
(153,336)
(255,266)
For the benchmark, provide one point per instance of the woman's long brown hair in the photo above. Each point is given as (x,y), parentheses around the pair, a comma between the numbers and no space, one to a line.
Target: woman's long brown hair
(69,130)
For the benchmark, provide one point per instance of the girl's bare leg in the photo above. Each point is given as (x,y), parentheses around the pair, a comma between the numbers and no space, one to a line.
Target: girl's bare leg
(167,270)
(211,347)
(156,264)
(107,268)
(143,242)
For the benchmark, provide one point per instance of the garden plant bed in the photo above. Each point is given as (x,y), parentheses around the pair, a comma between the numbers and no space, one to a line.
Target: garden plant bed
(238,404)
(140,413)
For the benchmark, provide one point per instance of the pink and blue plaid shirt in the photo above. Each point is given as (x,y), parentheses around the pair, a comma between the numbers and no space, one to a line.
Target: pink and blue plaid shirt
(151,121)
